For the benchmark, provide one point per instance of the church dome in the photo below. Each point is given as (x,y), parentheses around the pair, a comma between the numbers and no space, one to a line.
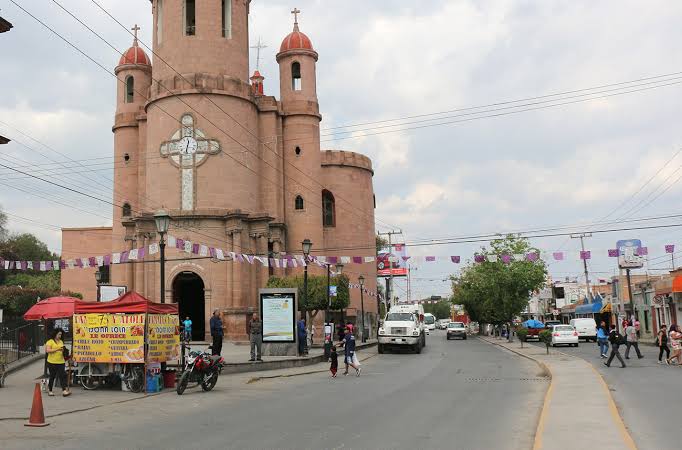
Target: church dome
(296,41)
(135,55)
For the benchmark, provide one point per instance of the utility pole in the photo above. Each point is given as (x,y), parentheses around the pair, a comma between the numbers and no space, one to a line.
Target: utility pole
(582,236)
(389,283)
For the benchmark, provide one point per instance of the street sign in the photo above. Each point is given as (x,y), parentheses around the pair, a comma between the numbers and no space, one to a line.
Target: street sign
(628,254)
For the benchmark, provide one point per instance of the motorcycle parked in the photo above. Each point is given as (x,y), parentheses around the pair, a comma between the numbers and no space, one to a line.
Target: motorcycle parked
(200,368)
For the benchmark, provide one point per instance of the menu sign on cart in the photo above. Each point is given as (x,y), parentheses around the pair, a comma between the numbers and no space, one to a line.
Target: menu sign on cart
(163,335)
(114,338)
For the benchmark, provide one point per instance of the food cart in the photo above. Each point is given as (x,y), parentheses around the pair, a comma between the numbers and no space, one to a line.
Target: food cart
(121,339)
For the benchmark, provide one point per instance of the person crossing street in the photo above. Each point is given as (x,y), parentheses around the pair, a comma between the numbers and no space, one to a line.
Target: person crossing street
(616,339)
(632,341)
(662,343)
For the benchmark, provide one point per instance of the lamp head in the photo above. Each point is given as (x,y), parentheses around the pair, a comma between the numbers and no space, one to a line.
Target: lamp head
(162,220)
(307,246)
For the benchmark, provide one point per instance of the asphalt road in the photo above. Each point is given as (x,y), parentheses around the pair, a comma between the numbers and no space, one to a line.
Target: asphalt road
(455,395)
(647,394)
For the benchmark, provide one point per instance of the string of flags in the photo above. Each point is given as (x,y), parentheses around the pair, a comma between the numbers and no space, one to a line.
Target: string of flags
(289,261)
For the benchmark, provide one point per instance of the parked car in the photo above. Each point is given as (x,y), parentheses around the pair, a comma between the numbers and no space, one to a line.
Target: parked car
(564,335)
(456,329)
(550,323)
(586,328)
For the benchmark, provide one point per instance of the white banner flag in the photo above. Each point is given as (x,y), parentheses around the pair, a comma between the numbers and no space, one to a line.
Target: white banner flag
(70,263)
(219,254)
(203,250)
(345,260)
(188,247)
(100,260)
(132,255)
(115,258)
(55,265)
(153,248)
(29,265)
(369,259)
(43,266)
(172,241)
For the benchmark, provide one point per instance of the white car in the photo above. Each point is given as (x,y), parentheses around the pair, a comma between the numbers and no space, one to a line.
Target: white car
(564,335)
(456,329)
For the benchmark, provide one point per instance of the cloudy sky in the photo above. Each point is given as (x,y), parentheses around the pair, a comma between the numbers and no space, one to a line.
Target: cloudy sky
(610,158)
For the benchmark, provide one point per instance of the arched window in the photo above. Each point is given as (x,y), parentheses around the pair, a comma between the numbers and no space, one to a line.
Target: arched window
(130,89)
(190,18)
(127,210)
(328,209)
(296,76)
(298,203)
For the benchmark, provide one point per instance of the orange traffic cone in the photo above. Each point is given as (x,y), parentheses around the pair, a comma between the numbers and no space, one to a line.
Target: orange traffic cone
(37,418)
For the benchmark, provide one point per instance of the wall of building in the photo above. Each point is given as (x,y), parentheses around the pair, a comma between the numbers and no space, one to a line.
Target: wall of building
(78,243)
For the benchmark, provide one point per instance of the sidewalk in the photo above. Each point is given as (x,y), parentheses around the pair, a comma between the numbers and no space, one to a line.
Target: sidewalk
(578,409)
(16,396)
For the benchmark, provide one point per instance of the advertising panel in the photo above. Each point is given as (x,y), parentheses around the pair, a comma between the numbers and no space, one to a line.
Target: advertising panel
(163,336)
(109,293)
(392,262)
(279,317)
(628,257)
(116,338)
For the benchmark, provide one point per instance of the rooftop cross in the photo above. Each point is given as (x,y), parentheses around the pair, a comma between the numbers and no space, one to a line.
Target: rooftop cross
(135,29)
(259,46)
(296,12)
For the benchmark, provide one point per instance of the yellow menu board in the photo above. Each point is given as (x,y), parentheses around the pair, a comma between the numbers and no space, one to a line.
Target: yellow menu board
(163,336)
(115,338)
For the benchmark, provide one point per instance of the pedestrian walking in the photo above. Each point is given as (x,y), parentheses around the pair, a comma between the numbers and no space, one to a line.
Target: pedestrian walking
(312,334)
(256,337)
(603,339)
(216,333)
(55,350)
(350,359)
(662,342)
(632,339)
(675,343)
(616,339)
(187,324)
(302,337)
(334,359)
(637,328)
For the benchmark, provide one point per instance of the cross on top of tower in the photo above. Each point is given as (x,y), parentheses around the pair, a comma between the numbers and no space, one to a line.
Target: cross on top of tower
(135,29)
(296,12)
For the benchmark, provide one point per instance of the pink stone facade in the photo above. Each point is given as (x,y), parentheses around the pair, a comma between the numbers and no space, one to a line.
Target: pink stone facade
(241,197)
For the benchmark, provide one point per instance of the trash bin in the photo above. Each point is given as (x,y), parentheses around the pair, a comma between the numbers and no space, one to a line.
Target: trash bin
(169,379)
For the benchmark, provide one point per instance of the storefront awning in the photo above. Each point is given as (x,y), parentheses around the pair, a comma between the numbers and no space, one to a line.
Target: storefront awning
(590,308)
(606,308)
(677,284)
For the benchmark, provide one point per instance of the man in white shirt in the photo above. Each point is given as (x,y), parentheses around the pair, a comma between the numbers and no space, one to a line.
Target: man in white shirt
(632,341)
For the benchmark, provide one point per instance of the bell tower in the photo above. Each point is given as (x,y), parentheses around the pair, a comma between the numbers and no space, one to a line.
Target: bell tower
(201,36)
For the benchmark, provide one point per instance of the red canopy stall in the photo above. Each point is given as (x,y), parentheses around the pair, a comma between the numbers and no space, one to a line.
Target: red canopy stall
(128,333)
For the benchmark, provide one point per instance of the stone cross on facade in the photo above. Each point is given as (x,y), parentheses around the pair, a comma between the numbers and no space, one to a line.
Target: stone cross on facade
(135,29)
(188,149)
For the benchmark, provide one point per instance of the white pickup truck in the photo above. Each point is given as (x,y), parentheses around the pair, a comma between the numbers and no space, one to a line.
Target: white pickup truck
(403,327)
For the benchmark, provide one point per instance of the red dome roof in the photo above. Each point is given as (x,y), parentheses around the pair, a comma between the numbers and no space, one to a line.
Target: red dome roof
(135,55)
(295,41)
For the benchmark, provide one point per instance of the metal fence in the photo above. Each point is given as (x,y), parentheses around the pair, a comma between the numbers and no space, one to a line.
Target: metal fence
(19,342)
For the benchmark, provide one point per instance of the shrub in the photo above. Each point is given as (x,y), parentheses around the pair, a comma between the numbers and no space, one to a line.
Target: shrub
(546,337)
(522,333)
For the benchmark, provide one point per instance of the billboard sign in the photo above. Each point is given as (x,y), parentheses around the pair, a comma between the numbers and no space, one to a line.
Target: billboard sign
(108,293)
(278,312)
(393,261)
(628,254)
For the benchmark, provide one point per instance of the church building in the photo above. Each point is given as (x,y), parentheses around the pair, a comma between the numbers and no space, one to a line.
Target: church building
(234,168)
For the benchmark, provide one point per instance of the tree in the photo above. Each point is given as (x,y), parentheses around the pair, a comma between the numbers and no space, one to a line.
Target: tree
(317,292)
(381,243)
(441,309)
(27,247)
(495,291)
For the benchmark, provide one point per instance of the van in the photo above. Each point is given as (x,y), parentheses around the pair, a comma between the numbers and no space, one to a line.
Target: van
(586,328)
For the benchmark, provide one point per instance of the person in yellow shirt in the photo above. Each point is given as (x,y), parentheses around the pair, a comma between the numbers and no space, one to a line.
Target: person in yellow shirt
(55,362)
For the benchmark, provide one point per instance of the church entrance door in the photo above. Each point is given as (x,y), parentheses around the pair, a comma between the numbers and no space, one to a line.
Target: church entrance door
(188,293)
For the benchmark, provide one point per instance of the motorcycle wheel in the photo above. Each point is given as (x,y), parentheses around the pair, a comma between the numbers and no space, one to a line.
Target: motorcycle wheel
(87,377)
(210,384)
(182,383)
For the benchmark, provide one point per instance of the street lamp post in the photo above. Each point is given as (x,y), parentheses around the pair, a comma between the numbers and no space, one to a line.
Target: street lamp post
(339,270)
(98,278)
(328,342)
(361,280)
(162,220)
(307,245)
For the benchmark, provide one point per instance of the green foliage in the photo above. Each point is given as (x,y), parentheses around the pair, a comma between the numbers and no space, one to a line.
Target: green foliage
(522,333)
(15,301)
(495,292)
(317,291)
(381,243)
(546,337)
(25,247)
(48,281)
(441,309)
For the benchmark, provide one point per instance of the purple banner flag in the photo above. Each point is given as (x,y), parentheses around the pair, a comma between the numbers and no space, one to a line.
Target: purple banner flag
(124,256)
(107,260)
(430,258)
(670,248)
(79,263)
(332,259)
(642,251)
(455,259)
(357,259)
(613,253)
(479,258)
(558,256)
(195,249)
(62,264)
(506,259)
(532,257)
(49,266)
(180,244)
(141,252)
(93,261)
(585,254)
(405,258)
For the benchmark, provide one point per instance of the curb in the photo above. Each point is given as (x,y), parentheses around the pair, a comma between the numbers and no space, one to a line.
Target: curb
(291,375)
(18,365)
